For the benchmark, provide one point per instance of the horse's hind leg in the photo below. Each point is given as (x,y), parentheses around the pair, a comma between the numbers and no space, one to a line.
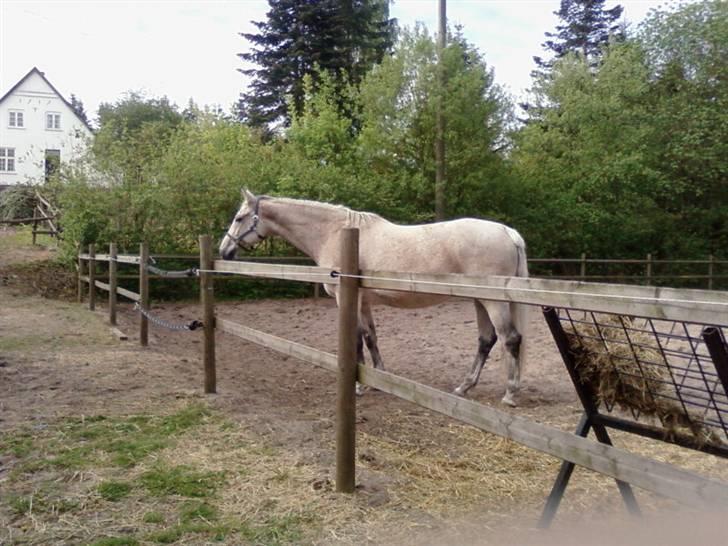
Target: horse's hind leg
(486,339)
(367,334)
(503,321)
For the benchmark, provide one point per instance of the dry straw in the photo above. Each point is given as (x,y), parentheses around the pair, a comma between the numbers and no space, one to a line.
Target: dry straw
(623,367)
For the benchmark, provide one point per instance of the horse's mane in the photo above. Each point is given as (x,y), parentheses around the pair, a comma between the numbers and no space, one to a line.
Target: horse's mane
(353,217)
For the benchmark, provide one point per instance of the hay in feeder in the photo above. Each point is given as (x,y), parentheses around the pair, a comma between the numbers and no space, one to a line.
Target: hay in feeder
(628,371)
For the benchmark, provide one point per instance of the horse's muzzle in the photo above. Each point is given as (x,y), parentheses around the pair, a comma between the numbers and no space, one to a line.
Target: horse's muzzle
(228,254)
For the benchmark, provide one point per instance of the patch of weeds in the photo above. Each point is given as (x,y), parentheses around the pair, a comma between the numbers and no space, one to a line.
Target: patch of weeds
(114,491)
(128,452)
(276,530)
(79,443)
(217,532)
(180,480)
(116,541)
(20,504)
(62,506)
(19,444)
(166,536)
(72,459)
(39,503)
(195,510)
(191,416)
(153,517)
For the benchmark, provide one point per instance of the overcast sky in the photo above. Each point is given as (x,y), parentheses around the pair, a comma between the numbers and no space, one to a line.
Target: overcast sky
(99,50)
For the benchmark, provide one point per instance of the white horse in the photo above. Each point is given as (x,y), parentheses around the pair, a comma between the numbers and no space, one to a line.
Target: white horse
(466,246)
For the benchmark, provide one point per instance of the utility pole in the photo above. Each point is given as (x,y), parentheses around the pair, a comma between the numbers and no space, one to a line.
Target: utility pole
(440,182)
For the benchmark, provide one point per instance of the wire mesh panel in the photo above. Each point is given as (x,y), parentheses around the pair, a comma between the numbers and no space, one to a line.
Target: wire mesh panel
(650,376)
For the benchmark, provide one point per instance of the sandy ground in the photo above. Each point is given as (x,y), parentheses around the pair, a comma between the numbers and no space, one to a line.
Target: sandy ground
(77,367)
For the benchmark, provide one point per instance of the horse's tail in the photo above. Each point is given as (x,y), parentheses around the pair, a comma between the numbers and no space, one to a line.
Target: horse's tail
(520,311)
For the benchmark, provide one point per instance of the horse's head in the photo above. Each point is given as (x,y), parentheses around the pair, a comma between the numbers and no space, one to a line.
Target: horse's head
(245,230)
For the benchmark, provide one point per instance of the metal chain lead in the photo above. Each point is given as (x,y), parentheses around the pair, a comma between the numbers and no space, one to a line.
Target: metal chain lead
(191,272)
(190,326)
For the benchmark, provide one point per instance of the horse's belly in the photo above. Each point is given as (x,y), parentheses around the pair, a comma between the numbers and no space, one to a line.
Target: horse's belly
(406,300)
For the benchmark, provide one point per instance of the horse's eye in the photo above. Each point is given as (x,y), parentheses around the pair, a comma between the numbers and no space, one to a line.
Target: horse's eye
(238,219)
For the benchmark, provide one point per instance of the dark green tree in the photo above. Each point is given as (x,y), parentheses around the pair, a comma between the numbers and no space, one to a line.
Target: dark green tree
(687,52)
(77,106)
(303,37)
(585,28)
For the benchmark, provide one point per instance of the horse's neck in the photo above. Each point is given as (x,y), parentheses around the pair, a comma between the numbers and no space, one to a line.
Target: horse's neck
(307,226)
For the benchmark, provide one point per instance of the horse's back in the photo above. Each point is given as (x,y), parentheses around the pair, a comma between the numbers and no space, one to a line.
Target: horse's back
(466,246)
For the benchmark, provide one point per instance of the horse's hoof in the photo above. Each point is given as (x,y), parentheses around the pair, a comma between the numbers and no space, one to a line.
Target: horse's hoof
(360,390)
(508,401)
(459,392)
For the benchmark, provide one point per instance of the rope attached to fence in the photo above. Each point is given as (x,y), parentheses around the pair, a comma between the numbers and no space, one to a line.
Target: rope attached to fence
(190,326)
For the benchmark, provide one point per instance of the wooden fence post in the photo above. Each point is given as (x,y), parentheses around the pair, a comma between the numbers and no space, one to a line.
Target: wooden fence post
(207,300)
(112,284)
(91,277)
(35,223)
(346,357)
(648,270)
(79,295)
(711,259)
(143,294)
(582,269)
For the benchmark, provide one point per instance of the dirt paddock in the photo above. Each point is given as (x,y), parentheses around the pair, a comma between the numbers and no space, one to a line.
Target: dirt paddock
(422,478)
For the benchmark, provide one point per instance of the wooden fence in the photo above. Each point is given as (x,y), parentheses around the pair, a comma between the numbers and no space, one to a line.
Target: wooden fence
(687,306)
(44,220)
(710,273)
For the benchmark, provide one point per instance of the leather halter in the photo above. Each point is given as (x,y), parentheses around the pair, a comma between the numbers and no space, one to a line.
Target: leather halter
(251,229)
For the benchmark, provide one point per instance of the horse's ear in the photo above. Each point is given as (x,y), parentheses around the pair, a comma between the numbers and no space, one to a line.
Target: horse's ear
(249,197)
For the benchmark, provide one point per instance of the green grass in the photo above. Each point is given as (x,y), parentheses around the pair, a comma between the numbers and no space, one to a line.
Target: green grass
(76,444)
(115,541)
(181,480)
(172,502)
(114,491)
(195,510)
(153,517)
(23,238)
(40,502)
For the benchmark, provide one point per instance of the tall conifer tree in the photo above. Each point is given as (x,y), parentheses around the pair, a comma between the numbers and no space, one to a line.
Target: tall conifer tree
(586,26)
(343,37)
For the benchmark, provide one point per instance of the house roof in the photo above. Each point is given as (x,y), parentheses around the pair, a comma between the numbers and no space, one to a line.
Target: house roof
(35,70)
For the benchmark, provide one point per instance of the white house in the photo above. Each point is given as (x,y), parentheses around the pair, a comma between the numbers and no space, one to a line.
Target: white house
(38,130)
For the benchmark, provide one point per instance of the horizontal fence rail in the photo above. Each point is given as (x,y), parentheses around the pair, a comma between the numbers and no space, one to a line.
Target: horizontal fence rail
(275,271)
(703,306)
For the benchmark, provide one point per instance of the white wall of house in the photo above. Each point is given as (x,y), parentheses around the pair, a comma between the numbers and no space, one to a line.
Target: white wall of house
(34,118)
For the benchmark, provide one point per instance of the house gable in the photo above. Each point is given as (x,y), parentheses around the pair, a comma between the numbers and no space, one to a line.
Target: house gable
(38,126)
(35,84)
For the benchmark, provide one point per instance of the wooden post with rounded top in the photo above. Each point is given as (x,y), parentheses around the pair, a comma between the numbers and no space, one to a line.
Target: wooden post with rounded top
(81,271)
(143,294)
(112,284)
(207,301)
(92,277)
(346,386)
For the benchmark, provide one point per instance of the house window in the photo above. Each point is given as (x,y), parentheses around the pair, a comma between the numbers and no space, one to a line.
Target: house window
(53,121)
(16,119)
(7,160)
(52,162)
